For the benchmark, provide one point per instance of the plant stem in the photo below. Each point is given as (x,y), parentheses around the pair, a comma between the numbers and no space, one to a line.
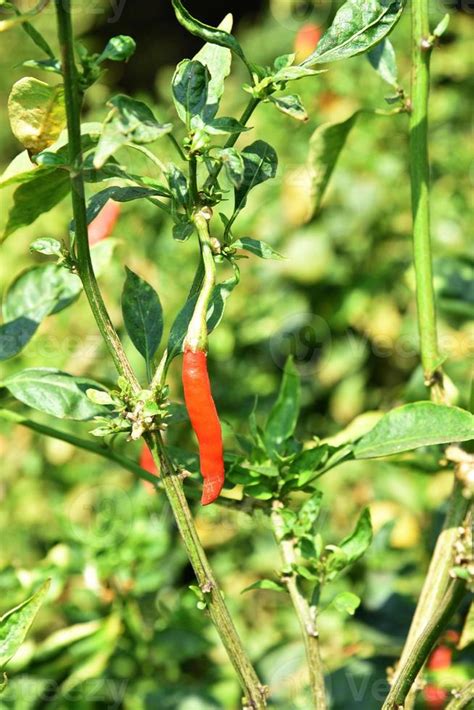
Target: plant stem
(196,337)
(425,644)
(437,578)
(306,614)
(420,189)
(80,443)
(232,140)
(85,268)
(462,697)
(255,692)
(176,145)
(193,186)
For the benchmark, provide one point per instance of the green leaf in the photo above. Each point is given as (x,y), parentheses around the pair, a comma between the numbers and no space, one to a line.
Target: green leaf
(55,392)
(15,624)
(142,315)
(382,58)
(118,194)
(47,246)
(325,146)
(307,463)
(49,65)
(357,27)
(223,125)
(283,417)
(290,105)
(218,300)
(233,165)
(308,515)
(294,73)
(214,314)
(355,544)
(265,584)
(414,425)
(257,247)
(442,26)
(37,113)
(39,193)
(190,89)
(15,335)
(351,548)
(183,230)
(207,33)
(118,49)
(178,184)
(38,39)
(39,291)
(346,602)
(35,294)
(129,121)
(218,61)
(260,164)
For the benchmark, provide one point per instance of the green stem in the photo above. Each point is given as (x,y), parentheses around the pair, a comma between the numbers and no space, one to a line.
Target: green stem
(420,188)
(255,692)
(196,337)
(462,698)
(193,185)
(80,443)
(306,614)
(151,156)
(232,140)
(176,145)
(437,578)
(85,268)
(424,645)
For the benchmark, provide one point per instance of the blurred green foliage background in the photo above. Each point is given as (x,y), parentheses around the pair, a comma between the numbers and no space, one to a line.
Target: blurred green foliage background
(121,628)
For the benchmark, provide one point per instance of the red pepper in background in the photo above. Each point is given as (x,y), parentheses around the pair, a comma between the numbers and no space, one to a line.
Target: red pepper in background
(102,226)
(205,422)
(306,40)
(147,462)
(441,657)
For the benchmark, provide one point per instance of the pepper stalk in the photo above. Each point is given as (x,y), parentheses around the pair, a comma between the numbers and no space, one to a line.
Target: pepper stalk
(196,337)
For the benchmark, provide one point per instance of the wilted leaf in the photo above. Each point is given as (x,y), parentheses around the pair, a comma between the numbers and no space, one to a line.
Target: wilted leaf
(37,113)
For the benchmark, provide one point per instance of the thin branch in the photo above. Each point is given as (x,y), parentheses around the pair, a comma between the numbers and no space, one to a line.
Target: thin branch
(437,578)
(420,188)
(462,698)
(85,268)
(306,614)
(425,644)
(255,692)
(91,446)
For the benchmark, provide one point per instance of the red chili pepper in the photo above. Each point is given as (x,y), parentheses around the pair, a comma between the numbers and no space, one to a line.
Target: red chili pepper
(440,659)
(306,40)
(205,422)
(102,226)
(147,462)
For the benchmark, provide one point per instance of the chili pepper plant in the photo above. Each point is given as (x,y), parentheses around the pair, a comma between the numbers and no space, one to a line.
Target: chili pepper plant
(218,161)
